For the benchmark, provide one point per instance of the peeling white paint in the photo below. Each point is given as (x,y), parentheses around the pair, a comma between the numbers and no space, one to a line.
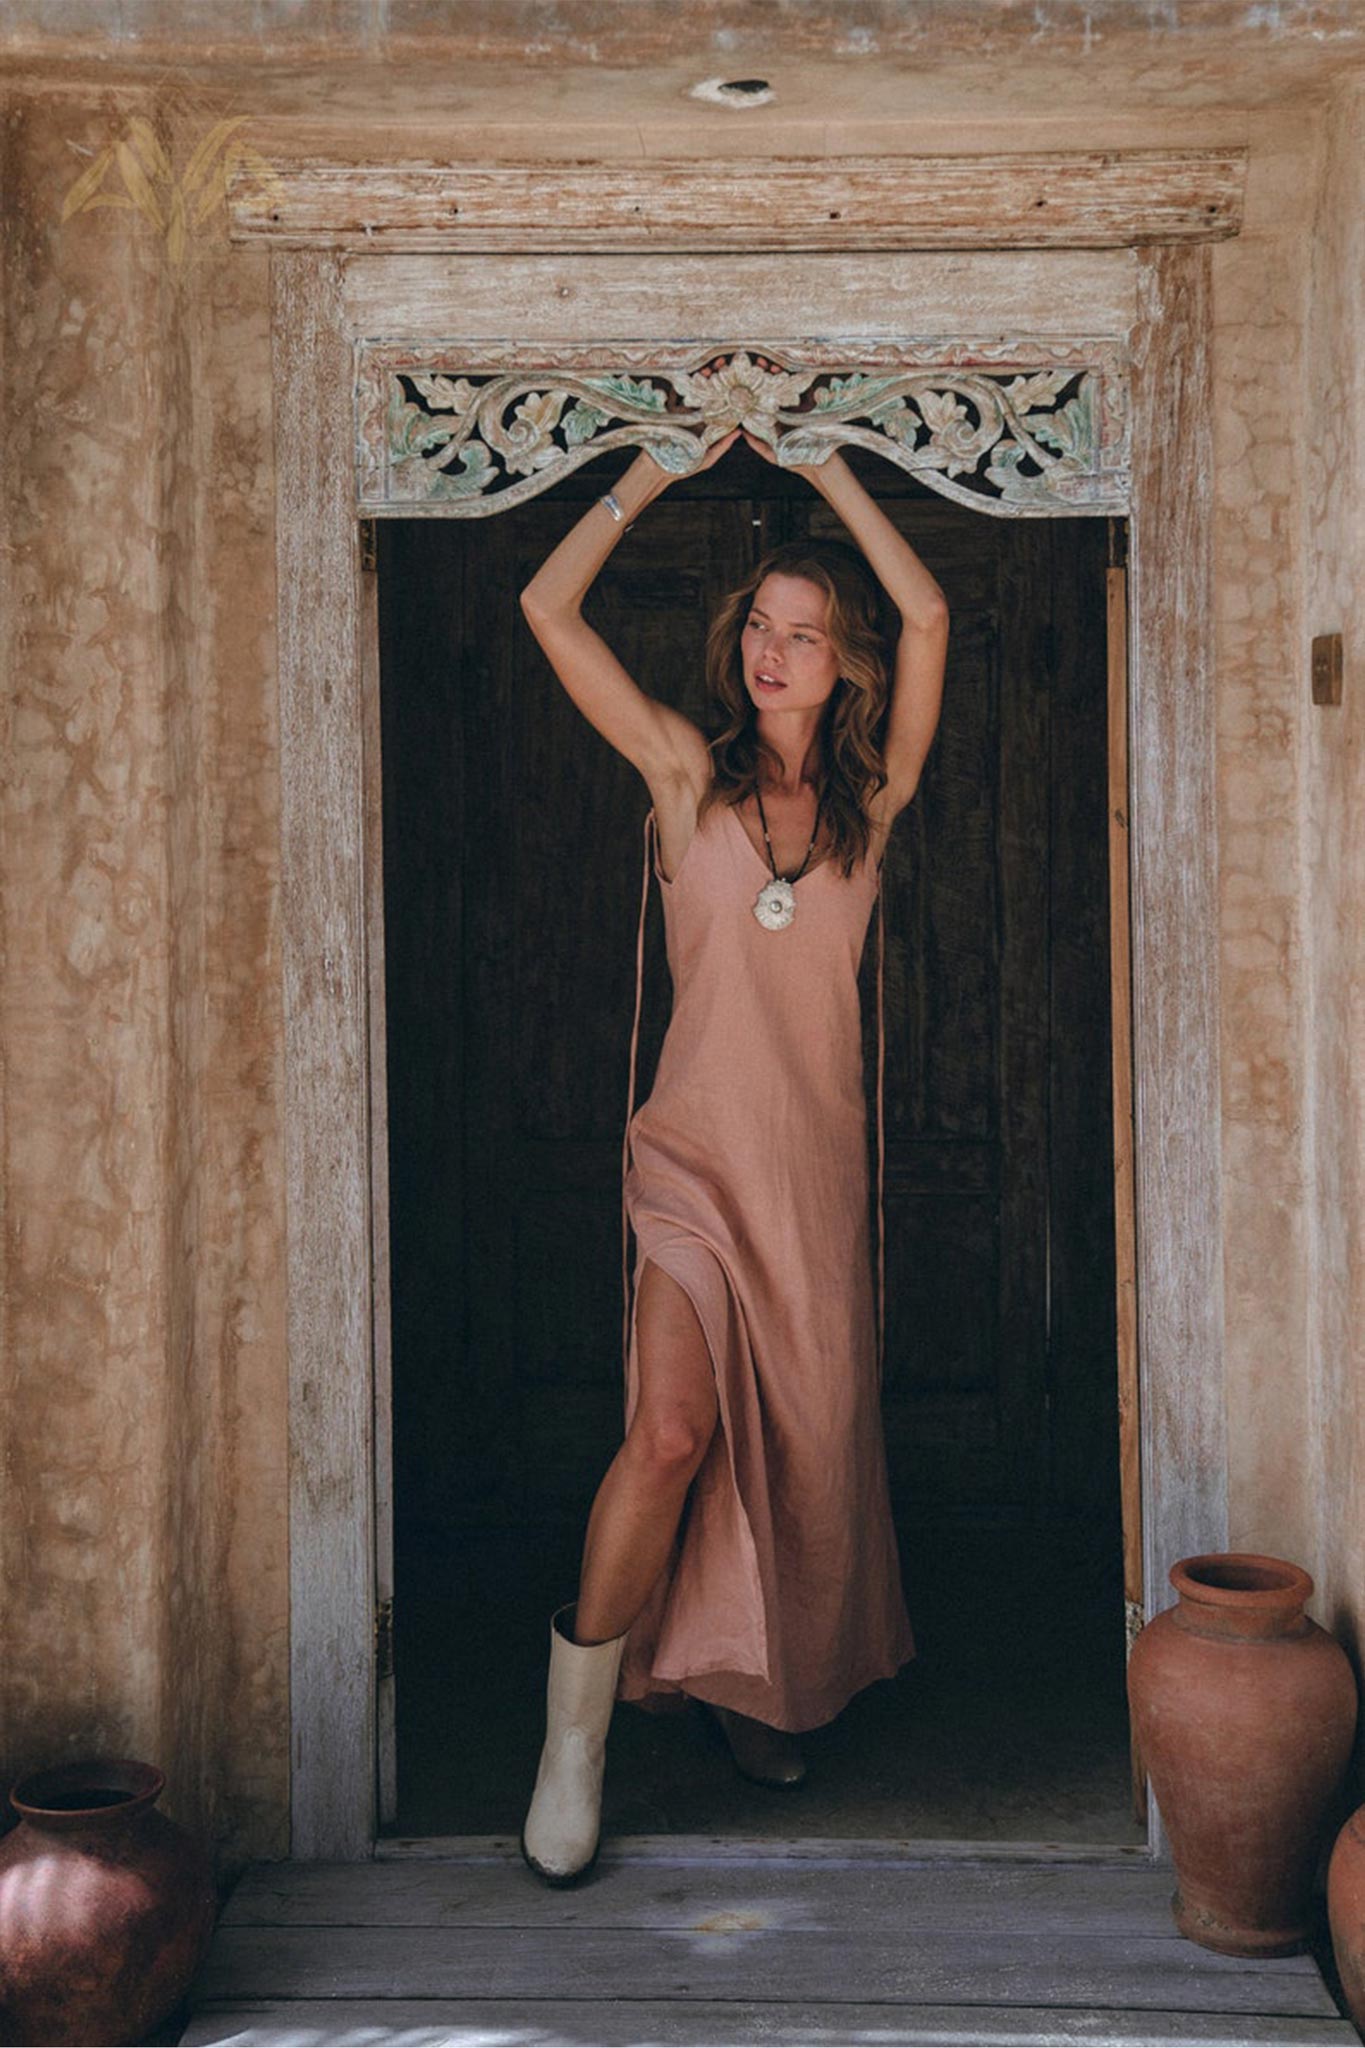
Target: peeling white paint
(719,92)
(858,42)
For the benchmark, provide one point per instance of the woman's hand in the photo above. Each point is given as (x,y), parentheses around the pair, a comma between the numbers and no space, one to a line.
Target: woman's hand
(716,450)
(647,479)
(813,472)
(671,476)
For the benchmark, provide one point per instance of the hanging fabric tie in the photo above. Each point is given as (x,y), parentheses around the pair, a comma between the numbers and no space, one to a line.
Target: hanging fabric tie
(630,1095)
(881,1131)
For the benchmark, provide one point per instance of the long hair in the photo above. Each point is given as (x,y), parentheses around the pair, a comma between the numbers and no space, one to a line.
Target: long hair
(858,621)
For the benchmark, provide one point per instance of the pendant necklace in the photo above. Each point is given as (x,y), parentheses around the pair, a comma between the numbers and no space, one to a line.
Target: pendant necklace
(775,904)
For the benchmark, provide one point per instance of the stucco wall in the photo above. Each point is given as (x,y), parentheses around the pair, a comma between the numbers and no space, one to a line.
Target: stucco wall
(144,1402)
(1332,805)
(1291,556)
(145,1560)
(1259,305)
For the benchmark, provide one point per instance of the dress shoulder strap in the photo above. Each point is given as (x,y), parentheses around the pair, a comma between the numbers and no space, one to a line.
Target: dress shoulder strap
(630,1092)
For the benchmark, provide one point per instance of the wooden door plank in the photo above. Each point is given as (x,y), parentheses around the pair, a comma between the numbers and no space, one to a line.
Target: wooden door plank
(372,786)
(1022,1049)
(426,678)
(1082,1398)
(1125,1215)
(642,2023)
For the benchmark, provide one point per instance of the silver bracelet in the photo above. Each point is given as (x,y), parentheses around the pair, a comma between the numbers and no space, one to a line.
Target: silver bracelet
(609,500)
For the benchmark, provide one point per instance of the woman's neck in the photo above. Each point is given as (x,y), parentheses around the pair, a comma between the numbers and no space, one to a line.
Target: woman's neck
(796,741)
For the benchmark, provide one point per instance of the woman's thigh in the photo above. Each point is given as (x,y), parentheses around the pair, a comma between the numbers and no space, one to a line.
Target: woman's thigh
(677,1378)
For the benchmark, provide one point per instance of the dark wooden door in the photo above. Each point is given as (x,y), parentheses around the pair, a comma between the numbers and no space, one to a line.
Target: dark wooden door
(512,837)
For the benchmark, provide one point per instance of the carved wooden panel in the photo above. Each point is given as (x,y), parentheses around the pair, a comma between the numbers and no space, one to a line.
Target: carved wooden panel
(1026,425)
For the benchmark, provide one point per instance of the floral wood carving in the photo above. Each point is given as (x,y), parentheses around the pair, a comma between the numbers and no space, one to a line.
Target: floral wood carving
(1018,428)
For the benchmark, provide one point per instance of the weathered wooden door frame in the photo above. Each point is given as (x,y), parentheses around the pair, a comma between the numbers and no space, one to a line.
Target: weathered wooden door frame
(329,1030)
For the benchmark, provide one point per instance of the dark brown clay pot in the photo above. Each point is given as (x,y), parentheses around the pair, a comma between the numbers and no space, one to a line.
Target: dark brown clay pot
(106,1907)
(1244,1712)
(1346,1911)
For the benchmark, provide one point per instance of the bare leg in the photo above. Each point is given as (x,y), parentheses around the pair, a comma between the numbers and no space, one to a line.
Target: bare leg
(636,1511)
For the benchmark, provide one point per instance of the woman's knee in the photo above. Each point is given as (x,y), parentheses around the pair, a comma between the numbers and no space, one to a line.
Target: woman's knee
(679,1405)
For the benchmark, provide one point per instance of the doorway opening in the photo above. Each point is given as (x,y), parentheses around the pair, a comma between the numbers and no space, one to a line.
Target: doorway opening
(511,861)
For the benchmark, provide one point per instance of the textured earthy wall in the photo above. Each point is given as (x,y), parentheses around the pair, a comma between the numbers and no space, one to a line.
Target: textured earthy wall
(143,1405)
(144,1533)
(1290,312)
(1259,302)
(1332,538)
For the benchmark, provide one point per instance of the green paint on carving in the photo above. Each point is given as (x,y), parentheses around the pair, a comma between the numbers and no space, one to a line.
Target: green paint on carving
(796,450)
(1070,431)
(840,391)
(413,432)
(1003,471)
(477,472)
(897,422)
(631,390)
(582,423)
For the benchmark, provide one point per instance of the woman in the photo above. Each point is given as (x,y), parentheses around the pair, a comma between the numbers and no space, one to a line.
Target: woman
(740,1547)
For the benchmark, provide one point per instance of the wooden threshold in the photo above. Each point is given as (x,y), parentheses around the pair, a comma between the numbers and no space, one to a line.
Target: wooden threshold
(470,1951)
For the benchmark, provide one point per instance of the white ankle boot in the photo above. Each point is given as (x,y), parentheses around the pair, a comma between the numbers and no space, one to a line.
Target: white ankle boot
(560,1837)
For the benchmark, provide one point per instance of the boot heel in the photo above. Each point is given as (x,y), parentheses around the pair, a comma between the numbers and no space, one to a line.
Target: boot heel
(763,1755)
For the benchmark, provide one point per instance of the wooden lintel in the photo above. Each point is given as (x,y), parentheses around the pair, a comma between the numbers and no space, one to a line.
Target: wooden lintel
(1076,199)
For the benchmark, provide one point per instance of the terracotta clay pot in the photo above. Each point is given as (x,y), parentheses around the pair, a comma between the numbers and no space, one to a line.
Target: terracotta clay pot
(1346,1911)
(1244,1712)
(106,1907)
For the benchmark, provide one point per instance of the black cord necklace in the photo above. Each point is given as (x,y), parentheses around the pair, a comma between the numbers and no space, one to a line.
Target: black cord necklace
(775,904)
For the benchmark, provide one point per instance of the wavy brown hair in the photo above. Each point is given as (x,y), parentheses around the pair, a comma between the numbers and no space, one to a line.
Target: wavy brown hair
(858,620)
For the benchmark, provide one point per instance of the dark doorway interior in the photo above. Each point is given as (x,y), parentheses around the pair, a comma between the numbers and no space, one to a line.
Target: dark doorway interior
(512,855)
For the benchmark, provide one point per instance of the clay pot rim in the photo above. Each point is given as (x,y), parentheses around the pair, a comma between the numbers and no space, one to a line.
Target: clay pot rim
(1285,1584)
(142,1783)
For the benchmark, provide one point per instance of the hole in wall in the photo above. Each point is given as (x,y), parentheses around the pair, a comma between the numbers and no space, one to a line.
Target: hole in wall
(733,92)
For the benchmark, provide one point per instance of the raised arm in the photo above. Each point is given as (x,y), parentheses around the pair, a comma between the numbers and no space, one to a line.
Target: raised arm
(921,656)
(664,745)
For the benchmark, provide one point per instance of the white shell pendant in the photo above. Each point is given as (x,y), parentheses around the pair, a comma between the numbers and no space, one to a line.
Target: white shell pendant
(775,904)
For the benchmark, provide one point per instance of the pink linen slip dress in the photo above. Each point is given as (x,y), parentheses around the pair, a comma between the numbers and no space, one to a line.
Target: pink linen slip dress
(745,1176)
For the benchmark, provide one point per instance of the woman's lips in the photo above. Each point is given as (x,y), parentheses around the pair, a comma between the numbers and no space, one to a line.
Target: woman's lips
(764,683)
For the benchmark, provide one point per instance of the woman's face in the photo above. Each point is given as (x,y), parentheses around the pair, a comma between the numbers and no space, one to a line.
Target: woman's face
(789,660)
